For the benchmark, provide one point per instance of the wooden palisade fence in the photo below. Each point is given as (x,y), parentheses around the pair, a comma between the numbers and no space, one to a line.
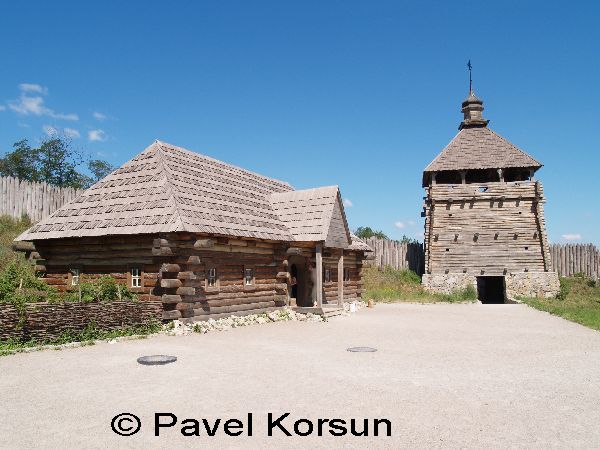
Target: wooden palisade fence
(571,259)
(36,200)
(398,255)
(567,260)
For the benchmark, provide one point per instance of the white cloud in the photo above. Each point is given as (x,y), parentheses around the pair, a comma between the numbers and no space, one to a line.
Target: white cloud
(399,225)
(99,116)
(571,237)
(49,130)
(96,136)
(2,107)
(348,203)
(71,133)
(411,222)
(34,104)
(29,87)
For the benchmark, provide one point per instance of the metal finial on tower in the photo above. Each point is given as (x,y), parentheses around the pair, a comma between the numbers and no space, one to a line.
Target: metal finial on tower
(470,67)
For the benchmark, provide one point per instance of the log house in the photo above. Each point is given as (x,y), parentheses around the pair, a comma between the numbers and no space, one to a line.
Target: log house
(206,238)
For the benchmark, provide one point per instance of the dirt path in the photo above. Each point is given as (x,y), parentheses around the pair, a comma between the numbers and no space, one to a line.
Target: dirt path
(447,376)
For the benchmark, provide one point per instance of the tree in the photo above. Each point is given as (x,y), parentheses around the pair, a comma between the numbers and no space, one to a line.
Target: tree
(23,162)
(408,240)
(99,169)
(58,164)
(368,232)
(54,162)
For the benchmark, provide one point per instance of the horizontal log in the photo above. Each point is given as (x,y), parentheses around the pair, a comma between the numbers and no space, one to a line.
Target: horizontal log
(171,298)
(170,268)
(187,276)
(232,309)
(162,251)
(186,290)
(194,259)
(168,283)
(169,315)
(160,243)
(204,243)
(204,317)
(23,246)
(242,301)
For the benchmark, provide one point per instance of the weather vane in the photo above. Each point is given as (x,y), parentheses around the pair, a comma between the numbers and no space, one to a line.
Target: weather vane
(470,67)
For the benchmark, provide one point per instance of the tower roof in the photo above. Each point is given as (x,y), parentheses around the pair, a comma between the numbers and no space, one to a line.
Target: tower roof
(478,147)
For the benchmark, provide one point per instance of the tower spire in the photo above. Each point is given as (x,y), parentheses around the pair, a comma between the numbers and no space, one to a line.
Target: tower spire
(472,107)
(470,67)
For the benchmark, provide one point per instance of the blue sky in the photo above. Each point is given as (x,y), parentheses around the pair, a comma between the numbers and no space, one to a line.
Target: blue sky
(359,94)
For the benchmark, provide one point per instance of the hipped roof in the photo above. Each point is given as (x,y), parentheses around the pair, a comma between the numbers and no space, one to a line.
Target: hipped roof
(480,148)
(168,189)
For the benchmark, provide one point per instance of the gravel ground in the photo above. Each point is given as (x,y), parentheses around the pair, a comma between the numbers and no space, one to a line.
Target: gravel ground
(446,376)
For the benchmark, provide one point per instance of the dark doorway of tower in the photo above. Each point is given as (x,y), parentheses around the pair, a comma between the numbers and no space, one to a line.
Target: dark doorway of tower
(491,290)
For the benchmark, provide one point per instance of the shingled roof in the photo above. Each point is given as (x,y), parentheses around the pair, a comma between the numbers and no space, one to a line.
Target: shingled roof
(165,189)
(477,147)
(168,189)
(314,215)
(480,148)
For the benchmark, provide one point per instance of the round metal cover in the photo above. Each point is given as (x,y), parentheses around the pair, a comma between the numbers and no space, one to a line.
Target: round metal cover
(361,349)
(156,360)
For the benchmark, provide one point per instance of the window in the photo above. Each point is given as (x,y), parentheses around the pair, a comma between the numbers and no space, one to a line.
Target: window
(211,277)
(346,274)
(327,276)
(136,277)
(248,277)
(75,275)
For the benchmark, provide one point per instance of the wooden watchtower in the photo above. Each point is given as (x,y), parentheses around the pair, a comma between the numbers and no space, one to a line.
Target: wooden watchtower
(484,216)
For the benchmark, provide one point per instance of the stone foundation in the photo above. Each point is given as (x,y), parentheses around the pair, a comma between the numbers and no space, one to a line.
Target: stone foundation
(521,284)
(532,284)
(447,283)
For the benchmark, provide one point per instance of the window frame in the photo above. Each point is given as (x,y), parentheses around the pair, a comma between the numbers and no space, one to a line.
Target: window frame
(74,273)
(139,277)
(207,277)
(245,277)
(346,274)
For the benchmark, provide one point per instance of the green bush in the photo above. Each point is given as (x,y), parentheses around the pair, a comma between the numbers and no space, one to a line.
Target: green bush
(104,289)
(18,283)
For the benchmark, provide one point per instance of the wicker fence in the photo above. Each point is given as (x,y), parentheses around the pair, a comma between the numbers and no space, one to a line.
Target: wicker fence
(47,321)
(36,200)
(567,260)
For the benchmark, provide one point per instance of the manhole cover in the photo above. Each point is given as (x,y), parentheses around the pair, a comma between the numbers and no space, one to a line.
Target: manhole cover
(156,360)
(361,349)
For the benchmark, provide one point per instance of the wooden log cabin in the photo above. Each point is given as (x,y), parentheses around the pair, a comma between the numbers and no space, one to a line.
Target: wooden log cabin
(484,216)
(206,238)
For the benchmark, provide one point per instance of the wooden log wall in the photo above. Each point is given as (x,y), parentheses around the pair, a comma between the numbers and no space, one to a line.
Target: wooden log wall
(398,255)
(353,288)
(183,286)
(36,200)
(485,228)
(101,256)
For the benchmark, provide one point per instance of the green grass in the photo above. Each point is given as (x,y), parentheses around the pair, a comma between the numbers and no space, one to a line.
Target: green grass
(578,301)
(391,285)
(9,229)
(87,336)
